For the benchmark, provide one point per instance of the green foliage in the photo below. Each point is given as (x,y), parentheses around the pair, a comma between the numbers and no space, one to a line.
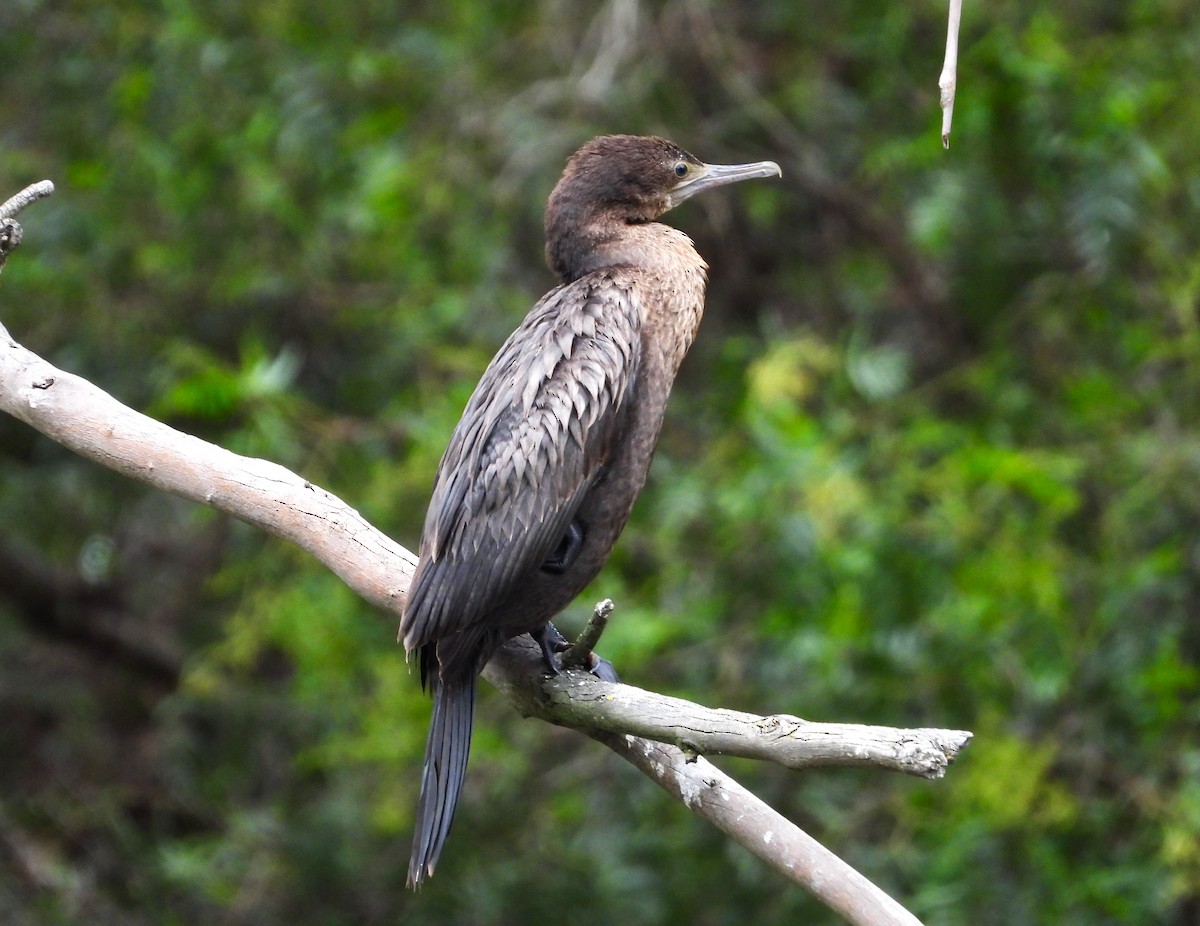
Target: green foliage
(935,459)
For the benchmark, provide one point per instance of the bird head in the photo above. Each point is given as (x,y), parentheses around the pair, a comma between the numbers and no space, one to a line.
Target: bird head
(637,178)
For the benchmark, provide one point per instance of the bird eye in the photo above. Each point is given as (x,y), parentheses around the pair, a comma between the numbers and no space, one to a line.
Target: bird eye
(681,169)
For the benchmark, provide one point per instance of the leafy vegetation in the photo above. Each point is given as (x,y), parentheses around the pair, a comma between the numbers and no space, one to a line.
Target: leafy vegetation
(935,459)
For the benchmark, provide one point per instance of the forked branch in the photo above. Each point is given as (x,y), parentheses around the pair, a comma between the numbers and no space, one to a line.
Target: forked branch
(662,736)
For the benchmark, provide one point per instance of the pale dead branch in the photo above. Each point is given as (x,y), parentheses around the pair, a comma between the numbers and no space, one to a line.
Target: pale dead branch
(948,81)
(662,736)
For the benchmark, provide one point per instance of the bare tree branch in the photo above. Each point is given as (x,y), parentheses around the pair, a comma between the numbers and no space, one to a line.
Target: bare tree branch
(948,81)
(584,702)
(84,418)
(87,420)
(710,793)
(10,231)
(579,654)
(12,206)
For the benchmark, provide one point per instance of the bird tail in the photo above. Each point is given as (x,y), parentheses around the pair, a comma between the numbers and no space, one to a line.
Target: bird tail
(445,769)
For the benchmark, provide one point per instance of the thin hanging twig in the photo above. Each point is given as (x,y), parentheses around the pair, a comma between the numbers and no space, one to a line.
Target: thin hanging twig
(948,82)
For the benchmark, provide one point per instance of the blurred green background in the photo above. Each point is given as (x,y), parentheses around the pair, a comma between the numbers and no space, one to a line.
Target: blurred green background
(934,460)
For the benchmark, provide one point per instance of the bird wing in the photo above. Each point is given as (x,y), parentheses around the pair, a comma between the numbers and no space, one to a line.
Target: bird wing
(530,443)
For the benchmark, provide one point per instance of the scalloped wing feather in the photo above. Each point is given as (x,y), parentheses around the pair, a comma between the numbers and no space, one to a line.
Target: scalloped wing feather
(531,442)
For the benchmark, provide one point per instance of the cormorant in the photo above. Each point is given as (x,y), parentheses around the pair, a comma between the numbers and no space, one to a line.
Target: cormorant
(554,444)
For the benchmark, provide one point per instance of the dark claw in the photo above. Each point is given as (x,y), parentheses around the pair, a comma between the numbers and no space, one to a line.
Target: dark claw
(551,642)
(603,670)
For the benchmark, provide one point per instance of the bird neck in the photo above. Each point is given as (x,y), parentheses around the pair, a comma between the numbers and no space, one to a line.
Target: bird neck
(578,243)
(658,262)
(673,277)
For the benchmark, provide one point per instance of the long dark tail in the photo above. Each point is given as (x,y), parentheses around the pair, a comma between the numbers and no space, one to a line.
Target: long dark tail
(446,754)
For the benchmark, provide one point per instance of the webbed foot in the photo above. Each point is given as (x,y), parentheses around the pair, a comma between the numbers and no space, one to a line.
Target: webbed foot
(604,670)
(552,643)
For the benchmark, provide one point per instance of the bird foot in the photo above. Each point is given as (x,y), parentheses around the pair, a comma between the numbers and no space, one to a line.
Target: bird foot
(552,644)
(604,670)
